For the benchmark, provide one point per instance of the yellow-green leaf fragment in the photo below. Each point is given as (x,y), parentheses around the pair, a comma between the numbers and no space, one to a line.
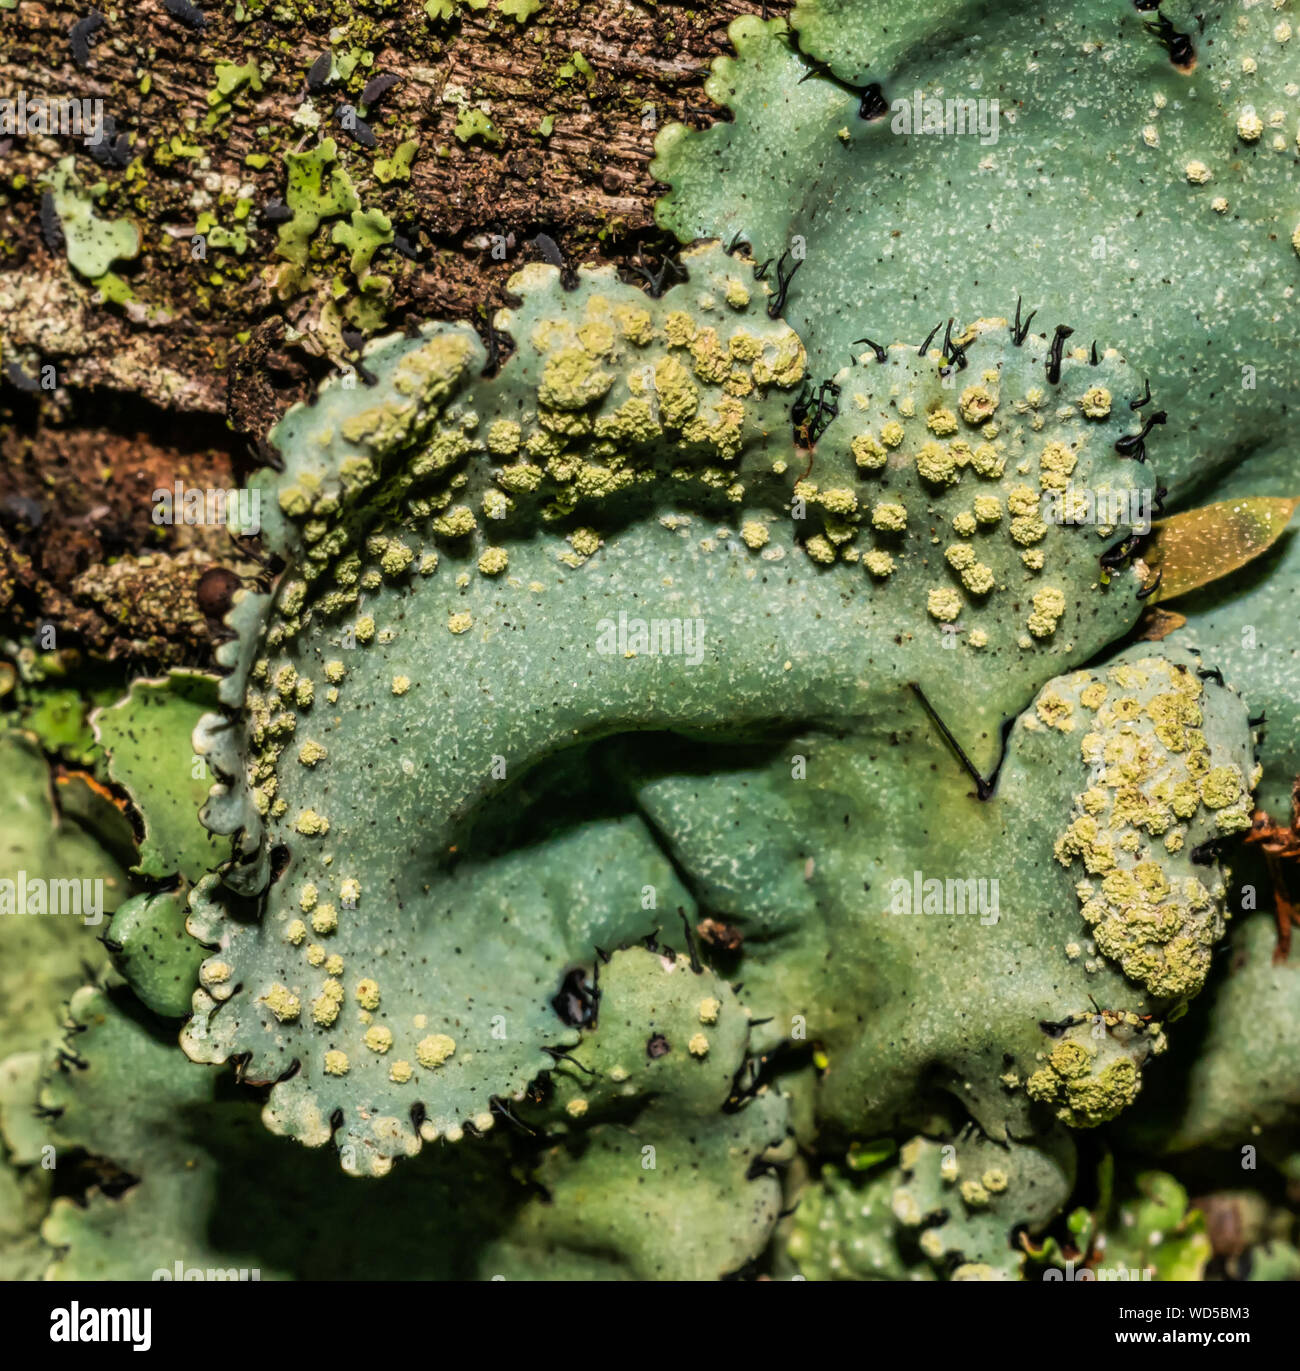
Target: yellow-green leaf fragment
(1192,549)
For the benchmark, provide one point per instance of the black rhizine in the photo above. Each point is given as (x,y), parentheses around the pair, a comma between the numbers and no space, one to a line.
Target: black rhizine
(377,87)
(80,34)
(318,74)
(189,15)
(51,227)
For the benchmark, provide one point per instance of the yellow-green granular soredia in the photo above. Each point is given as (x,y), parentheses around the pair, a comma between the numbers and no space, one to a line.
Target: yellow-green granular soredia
(878,562)
(944,604)
(936,464)
(503,437)
(324,919)
(889,517)
(941,421)
(869,452)
(1089,1080)
(977,404)
(737,295)
(960,556)
(892,433)
(456,523)
(1055,711)
(820,549)
(312,824)
(974,1194)
(1096,402)
(978,579)
(755,535)
(283,1003)
(326,1006)
(435,1049)
(1152,909)
(493,561)
(1049,605)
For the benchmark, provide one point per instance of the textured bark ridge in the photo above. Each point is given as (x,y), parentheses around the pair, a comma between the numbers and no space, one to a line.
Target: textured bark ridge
(284,201)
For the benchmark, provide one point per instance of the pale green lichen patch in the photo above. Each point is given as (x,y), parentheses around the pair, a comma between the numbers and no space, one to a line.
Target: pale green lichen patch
(92,244)
(947,1208)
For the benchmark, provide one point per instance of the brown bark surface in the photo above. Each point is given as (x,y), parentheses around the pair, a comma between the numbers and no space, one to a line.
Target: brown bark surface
(184,380)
